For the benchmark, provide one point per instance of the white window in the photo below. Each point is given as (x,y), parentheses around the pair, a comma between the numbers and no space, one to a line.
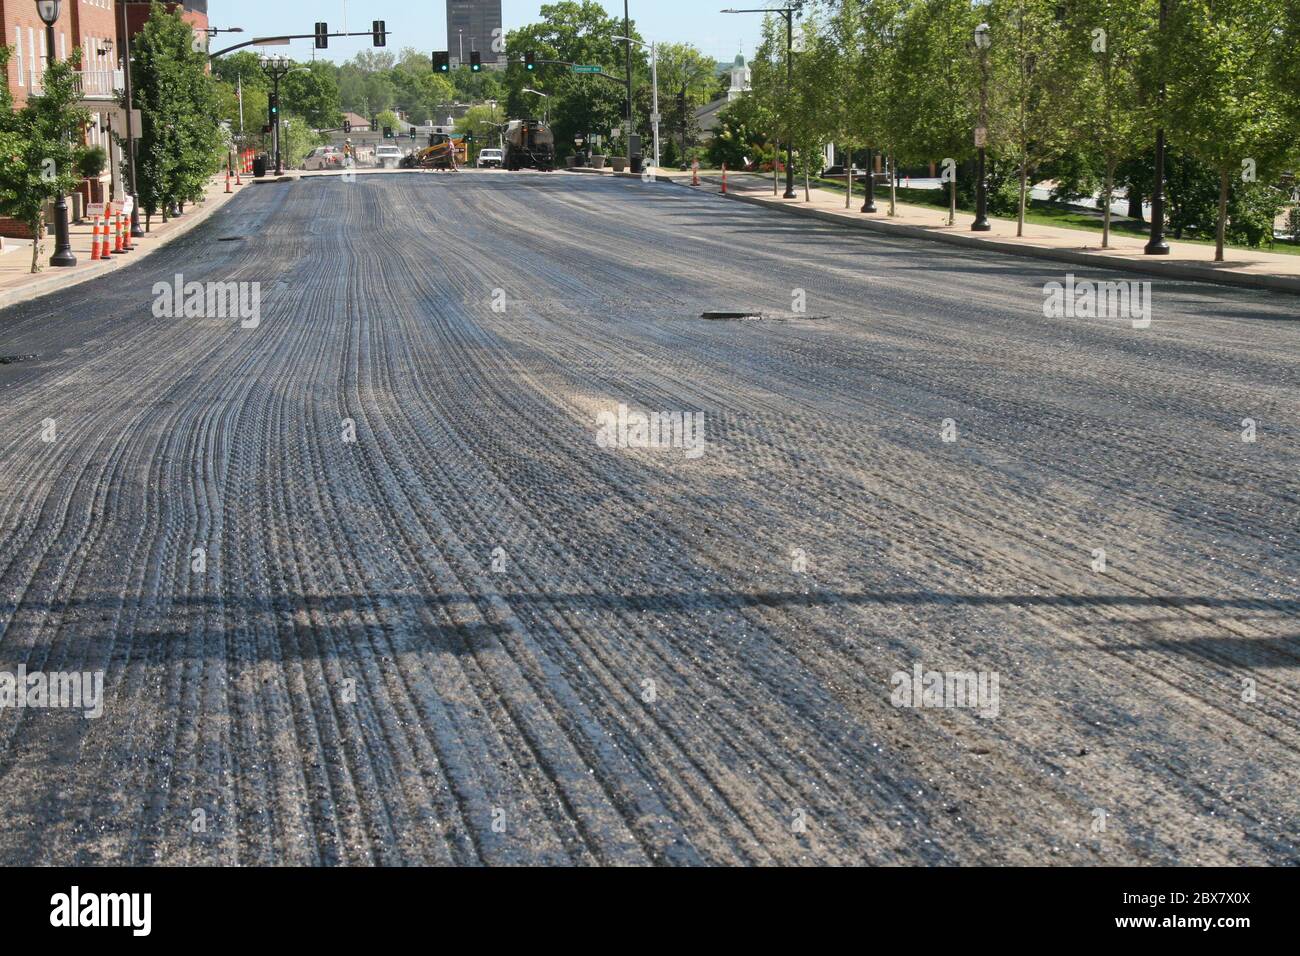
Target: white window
(18,52)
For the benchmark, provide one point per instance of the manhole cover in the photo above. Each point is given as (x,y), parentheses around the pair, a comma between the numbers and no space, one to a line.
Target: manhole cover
(231,239)
(750,315)
(8,359)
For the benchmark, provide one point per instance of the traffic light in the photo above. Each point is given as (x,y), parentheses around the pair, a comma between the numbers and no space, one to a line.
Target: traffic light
(266,129)
(273,106)
(530,61)
(476,62)
(412,132)
(469,136)
(347,126)
(380,34)
(388,132)
(322,36)
(442,62)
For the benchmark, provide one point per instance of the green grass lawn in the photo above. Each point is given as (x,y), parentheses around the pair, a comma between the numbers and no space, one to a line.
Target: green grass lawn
(1044,213)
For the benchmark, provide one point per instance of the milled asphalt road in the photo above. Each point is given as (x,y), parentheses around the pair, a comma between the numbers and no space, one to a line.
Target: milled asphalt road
(640,674)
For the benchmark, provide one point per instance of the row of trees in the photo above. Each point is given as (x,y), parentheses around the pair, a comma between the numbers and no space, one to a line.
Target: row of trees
(581,31)
(1072,90)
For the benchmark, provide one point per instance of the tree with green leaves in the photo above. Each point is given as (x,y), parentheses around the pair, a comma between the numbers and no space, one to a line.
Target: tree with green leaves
(1220,106)
(935,84)
(1113,36)
(40,147)
(770,90)
(180,146)
(572,31)
(1036,109)
(887,121)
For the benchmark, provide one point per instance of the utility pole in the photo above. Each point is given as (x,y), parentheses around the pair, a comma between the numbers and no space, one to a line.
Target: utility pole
(627,32)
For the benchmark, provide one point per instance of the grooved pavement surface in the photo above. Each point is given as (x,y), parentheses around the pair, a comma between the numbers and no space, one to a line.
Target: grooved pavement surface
(359,675)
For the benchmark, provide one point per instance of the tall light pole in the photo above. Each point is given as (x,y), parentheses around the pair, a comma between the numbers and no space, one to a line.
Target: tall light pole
(654,82)
(788,12)
(48,10)
(1156,245)
(627,31)
(546,117)
(982,41)
(137,232)
(276,68)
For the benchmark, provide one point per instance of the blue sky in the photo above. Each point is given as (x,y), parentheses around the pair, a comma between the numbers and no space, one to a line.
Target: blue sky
(423,23)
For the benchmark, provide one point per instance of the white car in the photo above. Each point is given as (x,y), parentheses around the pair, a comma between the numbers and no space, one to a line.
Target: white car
(491,157)
(324,157)
(388,157)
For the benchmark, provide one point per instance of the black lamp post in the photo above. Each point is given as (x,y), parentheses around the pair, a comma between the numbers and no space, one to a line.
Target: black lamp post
(48,11)
(276,68)
(1156,245)
(981,223)
(870,204)
(788,12)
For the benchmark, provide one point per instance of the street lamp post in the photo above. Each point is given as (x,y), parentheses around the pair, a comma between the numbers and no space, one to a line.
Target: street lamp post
(1156,245)
(788,12)
(48,10)
(276,68)
(654,82)
(546,116)
(981,223)
(627,31)
(137,232)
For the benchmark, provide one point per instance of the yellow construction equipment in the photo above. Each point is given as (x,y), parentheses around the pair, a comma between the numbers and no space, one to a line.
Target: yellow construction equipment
(444,152)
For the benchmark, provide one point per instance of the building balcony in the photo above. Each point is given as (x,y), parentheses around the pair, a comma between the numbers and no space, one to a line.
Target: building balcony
(91,84)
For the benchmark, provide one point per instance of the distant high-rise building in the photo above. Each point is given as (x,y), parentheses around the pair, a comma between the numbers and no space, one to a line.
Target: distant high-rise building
(475,25)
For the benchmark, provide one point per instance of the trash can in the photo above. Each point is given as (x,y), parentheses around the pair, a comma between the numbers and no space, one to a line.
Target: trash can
(636,165)
(259,166)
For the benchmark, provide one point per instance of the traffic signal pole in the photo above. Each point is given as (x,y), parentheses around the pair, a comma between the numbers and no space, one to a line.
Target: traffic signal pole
(285,39)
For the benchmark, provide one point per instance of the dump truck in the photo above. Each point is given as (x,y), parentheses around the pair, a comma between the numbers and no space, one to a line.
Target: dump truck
(529,142)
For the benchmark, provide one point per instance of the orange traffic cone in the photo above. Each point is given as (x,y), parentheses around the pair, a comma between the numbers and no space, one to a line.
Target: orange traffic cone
(118,247)
(127,244)
(228,189)
(104,250)
(94,241)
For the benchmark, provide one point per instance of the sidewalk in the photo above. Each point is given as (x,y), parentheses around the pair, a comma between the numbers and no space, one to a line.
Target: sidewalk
(1252,268)
(18,283)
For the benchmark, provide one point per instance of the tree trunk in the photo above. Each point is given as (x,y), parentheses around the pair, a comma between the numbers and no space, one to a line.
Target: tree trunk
(1024,191)
(1107,195)
(776,165)
(807,196)
(1222,229)
(38,240)
(893,184)
(1134,203)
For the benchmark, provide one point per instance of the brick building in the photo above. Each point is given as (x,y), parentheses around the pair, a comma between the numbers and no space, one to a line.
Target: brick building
(135,12)
(99,28)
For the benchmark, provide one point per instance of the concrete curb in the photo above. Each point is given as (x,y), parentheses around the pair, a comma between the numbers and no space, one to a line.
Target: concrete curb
(1163,270)
(57,281)
(612,175)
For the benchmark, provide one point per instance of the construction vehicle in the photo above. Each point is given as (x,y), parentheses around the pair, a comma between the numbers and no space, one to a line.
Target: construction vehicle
(443,152)
(529,142)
